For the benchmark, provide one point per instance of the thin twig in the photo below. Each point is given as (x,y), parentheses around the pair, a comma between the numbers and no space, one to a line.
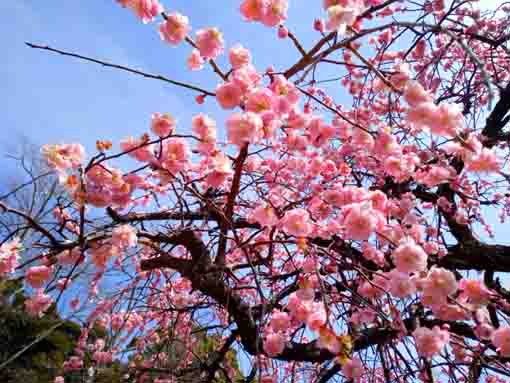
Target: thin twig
(122,67)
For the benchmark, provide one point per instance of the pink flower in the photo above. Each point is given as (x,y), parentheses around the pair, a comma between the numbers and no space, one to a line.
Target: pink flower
(146,10)
(124,236)
(423,115)
(401,167)
(329,3)
(38,303)
(375,288)
(69,257)
(239,56)
(175,154)
(59,379)
(274,344)
(501,339)
(101,254)
(319,132)
(138,149)
(430,341)
(280,321)
(359,222)
(275,12)
(439,283)
(283,32)
(221,169)
(162,125)
(402,75)
(353,369)
(475,291)
(63,157)
(264,216)
(363,316)
(244,128)
(9,256)
(296,222)
(74,363)
(415,94)
(329,340)
(445,120)
(484,330)
(271,124)
(286,91)
(210,42)
(435,175)
(444,204)
(200,99)
(175,28)
(400,284)
(37,276)
(409,257)
(103,357)
(204,128)
(259,100)
(386,144)
(98,196)
(483,161)
(246,77)
(306,293)
(228,95)
(339,16)
(253,10)
(195,60)
(317,318)
(310,264)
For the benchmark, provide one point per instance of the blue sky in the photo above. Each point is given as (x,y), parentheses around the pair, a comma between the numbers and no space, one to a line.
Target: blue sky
(52,98)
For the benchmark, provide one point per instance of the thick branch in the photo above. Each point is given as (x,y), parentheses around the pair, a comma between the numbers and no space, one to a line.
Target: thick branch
(498,118)
(229,208)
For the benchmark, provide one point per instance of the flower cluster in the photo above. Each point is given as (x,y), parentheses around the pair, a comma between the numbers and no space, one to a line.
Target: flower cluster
(9,256)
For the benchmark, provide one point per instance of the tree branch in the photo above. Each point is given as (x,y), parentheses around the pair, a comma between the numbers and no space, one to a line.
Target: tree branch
(122,67)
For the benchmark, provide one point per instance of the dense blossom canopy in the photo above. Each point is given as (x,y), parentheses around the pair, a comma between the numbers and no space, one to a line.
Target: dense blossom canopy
(326,239)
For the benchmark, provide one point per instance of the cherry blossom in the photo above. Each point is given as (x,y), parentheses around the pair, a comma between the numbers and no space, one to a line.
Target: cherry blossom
(239,56)
(175,28)
(210,42)
(146,10)
(429,342)
(297,222)
(162,124)
(244,128)
(348,197)
(409,257)
(9,256)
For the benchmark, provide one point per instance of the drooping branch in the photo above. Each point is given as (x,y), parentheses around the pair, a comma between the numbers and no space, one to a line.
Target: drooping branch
(204,278)
(122,67)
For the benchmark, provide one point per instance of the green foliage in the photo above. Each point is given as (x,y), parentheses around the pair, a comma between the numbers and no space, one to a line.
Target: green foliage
(43,360)
(205,348)
(112,374)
